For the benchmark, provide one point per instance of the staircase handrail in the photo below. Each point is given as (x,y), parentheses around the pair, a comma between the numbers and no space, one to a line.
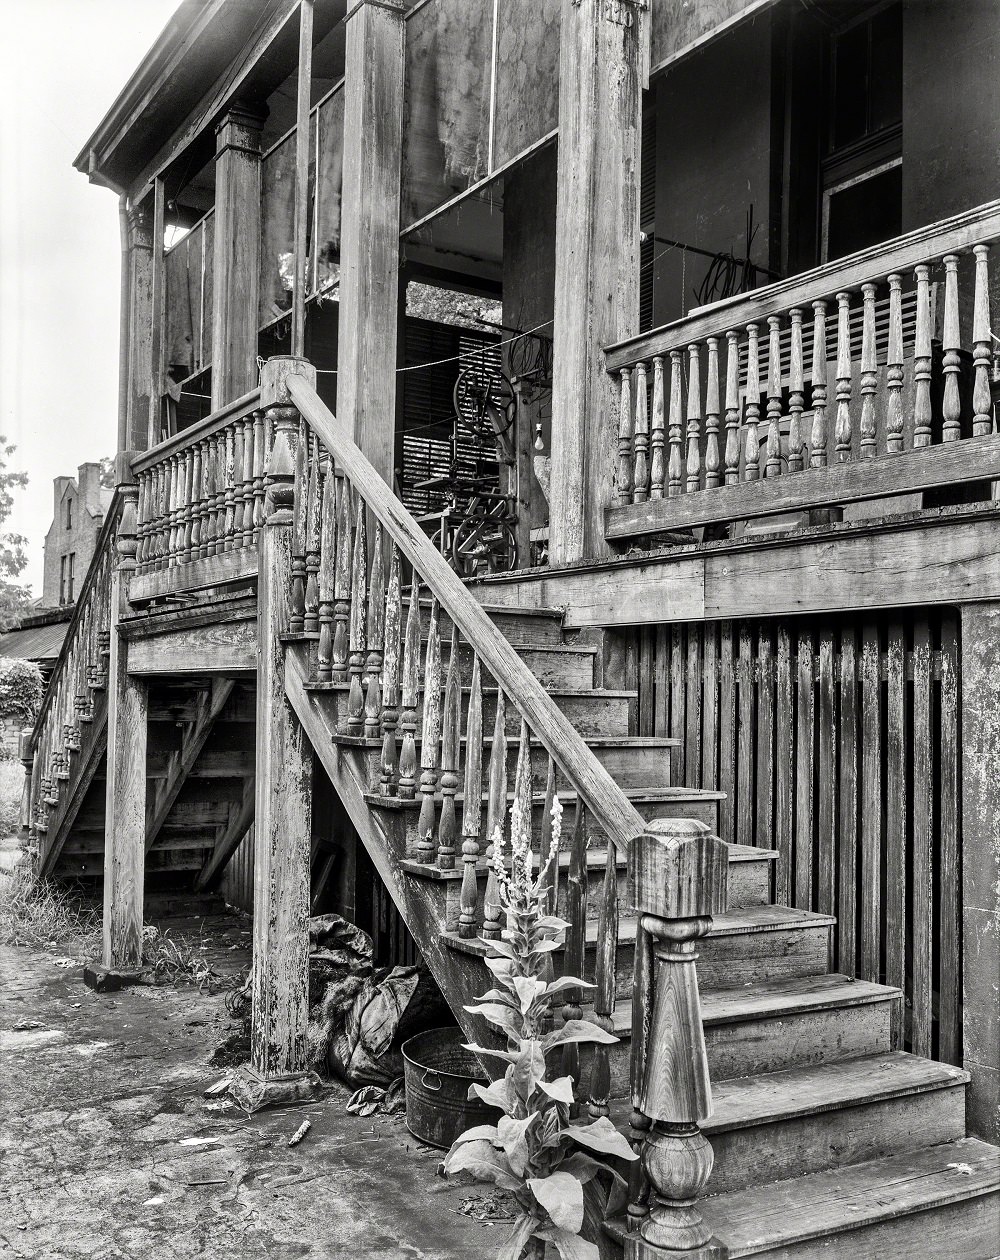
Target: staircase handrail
(606,801)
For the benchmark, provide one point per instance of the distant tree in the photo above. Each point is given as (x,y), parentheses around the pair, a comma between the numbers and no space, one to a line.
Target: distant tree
(21,689)
(14,596)
(108,472)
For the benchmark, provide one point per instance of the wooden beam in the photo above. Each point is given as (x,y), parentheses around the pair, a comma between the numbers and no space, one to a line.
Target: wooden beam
(166,791)
(952,463)
(61,823)
(369,232)
(236,258)
(223,648)
(302,205)
(157,310)
(141,367)
(597,258)
(933,558)
(125,798)
(229,840)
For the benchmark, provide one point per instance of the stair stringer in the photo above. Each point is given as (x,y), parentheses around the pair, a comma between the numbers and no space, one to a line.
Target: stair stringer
(461,978)
(84,768)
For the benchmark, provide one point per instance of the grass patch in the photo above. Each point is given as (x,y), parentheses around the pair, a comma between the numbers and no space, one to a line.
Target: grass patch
(41,915)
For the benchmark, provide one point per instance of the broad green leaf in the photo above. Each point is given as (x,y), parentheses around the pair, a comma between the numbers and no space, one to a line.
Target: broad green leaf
(481,1133)
(501,1017)
(529,1068)
(509,1056)
(496,1094)
(584,1167)
(552,922)
(569,1245)
(504,995)
(561,1195)
(502,948)
(484,1162)
(528,989)
(545,947)
(500,967)
(561,1090)
(601,1136)
(513,1137)
(524,1228)
(577,1030)
(568,982)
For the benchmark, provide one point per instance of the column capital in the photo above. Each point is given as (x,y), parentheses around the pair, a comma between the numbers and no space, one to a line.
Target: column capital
(239,128)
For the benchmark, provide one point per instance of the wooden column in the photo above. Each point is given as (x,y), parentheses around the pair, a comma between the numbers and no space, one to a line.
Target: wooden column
(601,72)
(980,866)
(125,798)
(26,752)
(283,805)
(678,874)
(369,231)
(138,370)
(236,258)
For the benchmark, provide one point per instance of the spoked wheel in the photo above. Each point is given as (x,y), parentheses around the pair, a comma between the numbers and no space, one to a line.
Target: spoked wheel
(484,401)
(483,545)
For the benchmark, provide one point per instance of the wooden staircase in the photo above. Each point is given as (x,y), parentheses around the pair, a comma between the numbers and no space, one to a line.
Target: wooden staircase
(829,1139)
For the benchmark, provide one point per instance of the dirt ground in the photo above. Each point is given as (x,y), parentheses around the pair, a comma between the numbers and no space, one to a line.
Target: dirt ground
(108,1148)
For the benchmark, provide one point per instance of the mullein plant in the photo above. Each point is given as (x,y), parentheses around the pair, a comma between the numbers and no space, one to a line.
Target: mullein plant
(542,1154)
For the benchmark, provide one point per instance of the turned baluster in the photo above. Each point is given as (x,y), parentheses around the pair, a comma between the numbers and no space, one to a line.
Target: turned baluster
(314,513)
(430,737)
(376,636)
(951,344)
(177,514)
(623,473)
(982,400)
(208,501)
(496,812)
(234,486)
(249,463)
(193,547)
(772,466)
(604,978)
(894,368)
(472,806)
(796,393)
(222,483)
(156,518)
(390,675)
(296,621)
(694,419)
(818,440)
(922,412)
(229,492)
(188,504)
(713,413)
(549,881)
(576,937)
(867,431)
(732,453)
(658,437)
(259,464)
(640,481)
(327,564)
(751,465)
(843,432)
(359,627)
(149,514)
(674,430)
(678,874)
(450,734)
(142,519)
(342,587)
(408,699)
(244,482)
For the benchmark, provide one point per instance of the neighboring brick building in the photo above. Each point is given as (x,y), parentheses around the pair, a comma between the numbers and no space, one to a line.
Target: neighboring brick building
(78,511)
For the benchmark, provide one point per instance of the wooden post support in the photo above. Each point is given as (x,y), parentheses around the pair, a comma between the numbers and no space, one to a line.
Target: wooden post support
(678,874)
(139,372)
(977,851)
(282,820)
(26,752)
(369,233)
(601,71)
(125,800)
(236,258)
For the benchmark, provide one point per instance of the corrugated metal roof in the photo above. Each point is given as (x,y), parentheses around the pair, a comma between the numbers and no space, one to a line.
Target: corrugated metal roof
(36,643)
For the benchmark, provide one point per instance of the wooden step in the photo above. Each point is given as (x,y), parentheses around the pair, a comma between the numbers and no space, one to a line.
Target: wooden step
(592,710)
(553,666)
(541,627)
(804,1120)
(633,761)
(755,945)
(779,1024)
(940,1202)
(749,880)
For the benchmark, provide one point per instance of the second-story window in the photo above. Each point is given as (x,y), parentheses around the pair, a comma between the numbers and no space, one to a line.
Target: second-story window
(67,567)
(69,513)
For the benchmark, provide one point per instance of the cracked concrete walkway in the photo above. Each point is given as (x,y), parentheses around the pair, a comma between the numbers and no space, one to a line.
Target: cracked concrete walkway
(99,1095)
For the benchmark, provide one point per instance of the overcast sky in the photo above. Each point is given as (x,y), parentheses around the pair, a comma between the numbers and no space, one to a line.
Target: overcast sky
(62,63)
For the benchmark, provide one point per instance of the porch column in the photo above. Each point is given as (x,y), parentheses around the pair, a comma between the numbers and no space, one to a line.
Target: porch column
(980,860)
(125,799)
(137,373)
(283,803)
(369,228)
(236,259)
(602,65)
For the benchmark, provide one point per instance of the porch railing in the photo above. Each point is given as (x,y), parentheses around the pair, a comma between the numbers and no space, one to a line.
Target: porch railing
(201,503)
(865,378)
(68,733)
(395,696)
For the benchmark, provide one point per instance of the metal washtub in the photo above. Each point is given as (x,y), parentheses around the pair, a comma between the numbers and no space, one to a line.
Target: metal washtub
(438,1071)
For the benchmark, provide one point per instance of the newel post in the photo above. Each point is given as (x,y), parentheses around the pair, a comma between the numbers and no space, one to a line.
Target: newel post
(678,875)
(283,807)
(26,753)
(125,793)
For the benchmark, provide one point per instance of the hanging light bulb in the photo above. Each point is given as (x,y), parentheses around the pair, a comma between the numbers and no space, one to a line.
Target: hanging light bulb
(539,444)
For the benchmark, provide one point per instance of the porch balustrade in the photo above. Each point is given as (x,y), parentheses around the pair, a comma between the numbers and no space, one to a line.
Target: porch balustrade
(869,377)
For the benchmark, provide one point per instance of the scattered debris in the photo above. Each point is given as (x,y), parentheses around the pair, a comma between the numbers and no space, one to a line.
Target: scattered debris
(371,1099)
(154,1202)
(218,1088)
(300,1133)
(964,1169)
(488,1208)
(26,1025)
(199,1141)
